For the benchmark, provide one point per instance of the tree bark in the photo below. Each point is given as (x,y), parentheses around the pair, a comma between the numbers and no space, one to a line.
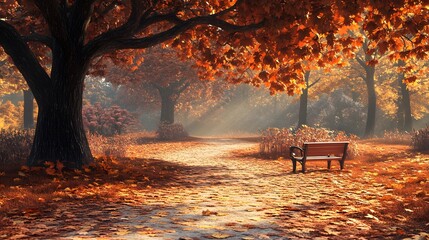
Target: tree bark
(369,79)
(400,113)
(60,134)
(405,118)
(303,102)
(168,103)
(372,106)
(406,103)
(28,109)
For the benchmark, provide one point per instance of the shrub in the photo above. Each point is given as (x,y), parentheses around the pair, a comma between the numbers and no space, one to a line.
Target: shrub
(107,121)
(397,137)
(276,142)
(420,139)
(171,131)
(15,145)
(115,146)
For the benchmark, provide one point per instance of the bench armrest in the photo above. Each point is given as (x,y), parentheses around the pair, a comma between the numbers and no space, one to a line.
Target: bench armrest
(292,153)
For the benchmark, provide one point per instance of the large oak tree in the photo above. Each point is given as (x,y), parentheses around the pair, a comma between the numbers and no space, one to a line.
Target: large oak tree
(219,33)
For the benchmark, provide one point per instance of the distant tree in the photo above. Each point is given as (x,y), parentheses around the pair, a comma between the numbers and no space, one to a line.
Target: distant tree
(303,99)
(367,62)
(162,70)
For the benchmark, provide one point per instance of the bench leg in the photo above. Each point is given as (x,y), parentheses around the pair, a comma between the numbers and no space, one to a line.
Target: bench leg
(329,164)
(294,166)
(342,164)
(303,167)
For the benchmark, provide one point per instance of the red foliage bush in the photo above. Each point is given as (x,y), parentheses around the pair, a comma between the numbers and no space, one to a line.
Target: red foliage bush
(276,142)
(174,131)
(107,121)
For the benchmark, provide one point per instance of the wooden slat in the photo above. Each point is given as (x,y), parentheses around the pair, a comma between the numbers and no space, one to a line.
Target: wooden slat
(324,148)
(317,143)
(314,158)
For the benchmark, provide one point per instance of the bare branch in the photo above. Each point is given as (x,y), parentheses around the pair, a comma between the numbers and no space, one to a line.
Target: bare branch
(314,83)
(184,86)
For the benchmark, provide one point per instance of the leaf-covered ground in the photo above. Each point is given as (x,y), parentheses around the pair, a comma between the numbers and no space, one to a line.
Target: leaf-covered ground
(221,189)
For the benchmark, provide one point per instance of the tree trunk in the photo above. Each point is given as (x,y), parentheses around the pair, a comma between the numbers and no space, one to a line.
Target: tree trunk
(372,102)
(168,104)
(400,113)
(303,102)
(28,110)
(406,106)
(405,119)
(60,134)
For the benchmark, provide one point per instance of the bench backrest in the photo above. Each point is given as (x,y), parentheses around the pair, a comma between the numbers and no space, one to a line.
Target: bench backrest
(325,148)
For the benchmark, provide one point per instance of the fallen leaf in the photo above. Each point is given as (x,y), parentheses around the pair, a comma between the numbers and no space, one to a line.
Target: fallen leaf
(220,235)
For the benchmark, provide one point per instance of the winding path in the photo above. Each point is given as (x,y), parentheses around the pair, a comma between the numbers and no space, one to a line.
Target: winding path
(214,189)
(228,196)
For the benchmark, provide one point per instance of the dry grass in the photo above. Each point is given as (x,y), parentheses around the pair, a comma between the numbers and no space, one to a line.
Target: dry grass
(395,137)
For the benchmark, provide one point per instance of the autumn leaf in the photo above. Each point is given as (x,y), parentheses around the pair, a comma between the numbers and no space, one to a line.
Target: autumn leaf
(372,62)
(208,213)
(220,235)
(50,171)
(59,166)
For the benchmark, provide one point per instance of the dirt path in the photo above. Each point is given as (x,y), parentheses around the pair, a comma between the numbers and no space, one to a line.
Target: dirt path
(222,193)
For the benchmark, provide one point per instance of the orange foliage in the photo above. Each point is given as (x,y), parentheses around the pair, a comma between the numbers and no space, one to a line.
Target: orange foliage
(221,35)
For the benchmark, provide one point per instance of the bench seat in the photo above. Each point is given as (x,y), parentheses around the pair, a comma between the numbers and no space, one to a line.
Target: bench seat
(319,151)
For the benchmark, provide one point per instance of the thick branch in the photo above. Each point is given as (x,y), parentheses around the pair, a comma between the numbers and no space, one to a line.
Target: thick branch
(180,28)
(127,30)
(34,37)
(156,86)
(361,62)
(81,16)
(55,17)
(183,87)
(25,60)
(121,38)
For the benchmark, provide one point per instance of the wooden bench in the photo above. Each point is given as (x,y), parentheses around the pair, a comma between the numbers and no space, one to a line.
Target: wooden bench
(319,151)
